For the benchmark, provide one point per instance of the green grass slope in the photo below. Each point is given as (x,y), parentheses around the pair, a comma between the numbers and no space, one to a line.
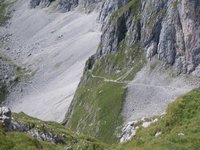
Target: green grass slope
(23,141)
(180,128)
(98,101)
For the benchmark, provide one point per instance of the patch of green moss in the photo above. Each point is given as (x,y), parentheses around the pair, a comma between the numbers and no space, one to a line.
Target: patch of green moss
(179,128)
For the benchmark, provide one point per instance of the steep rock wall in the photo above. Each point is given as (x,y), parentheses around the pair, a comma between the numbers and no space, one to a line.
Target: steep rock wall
(167,29)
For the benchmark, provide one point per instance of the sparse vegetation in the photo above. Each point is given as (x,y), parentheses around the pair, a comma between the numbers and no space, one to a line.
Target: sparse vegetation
(3,93)
(97,109)
(132,6)
(23,141)
(99,100)
(4,11)
(114,66)
(179,128)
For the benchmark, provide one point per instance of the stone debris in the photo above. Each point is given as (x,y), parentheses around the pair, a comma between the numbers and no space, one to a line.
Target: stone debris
(128,131)
(181,134)
(147,124)
(11,125)
(158,134)
(5,116)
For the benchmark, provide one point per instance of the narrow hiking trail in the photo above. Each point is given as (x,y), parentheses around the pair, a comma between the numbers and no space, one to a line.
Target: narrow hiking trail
(149,94)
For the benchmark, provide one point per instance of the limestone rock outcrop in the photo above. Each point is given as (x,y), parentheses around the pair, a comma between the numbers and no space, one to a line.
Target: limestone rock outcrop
(10,124)
(5,116)
(168,29)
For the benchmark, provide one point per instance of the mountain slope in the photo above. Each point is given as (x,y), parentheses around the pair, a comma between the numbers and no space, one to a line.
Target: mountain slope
(178,129)
(52,47)
(153,46)
(148,55)
(23,132)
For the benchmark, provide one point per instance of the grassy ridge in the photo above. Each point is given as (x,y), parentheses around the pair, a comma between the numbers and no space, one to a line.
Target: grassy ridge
(99,100)
(98,107)
(179,128)
(22,141)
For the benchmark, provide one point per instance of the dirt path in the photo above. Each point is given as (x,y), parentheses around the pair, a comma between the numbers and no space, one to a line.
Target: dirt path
(109,80)
(150,93)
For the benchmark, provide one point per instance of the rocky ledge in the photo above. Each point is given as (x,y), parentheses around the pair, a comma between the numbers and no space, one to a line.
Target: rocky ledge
(10,125)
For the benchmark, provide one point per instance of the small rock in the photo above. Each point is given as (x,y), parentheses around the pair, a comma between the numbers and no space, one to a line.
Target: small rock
(5,116)
(13,79)
(137,127)
(157,134)
(60,36)
(181,134)
(69,148)
(6,77)
(146,124)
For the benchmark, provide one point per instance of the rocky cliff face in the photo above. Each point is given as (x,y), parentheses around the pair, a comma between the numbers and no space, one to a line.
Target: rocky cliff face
(134,32)
(168,29)
(41,3)
(85,5)
(10,124)
(68,5)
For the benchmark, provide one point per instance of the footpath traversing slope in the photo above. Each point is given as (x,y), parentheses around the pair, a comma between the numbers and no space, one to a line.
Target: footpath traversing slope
(150,92)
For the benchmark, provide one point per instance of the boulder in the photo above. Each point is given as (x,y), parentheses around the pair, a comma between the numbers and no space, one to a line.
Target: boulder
(5,116)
